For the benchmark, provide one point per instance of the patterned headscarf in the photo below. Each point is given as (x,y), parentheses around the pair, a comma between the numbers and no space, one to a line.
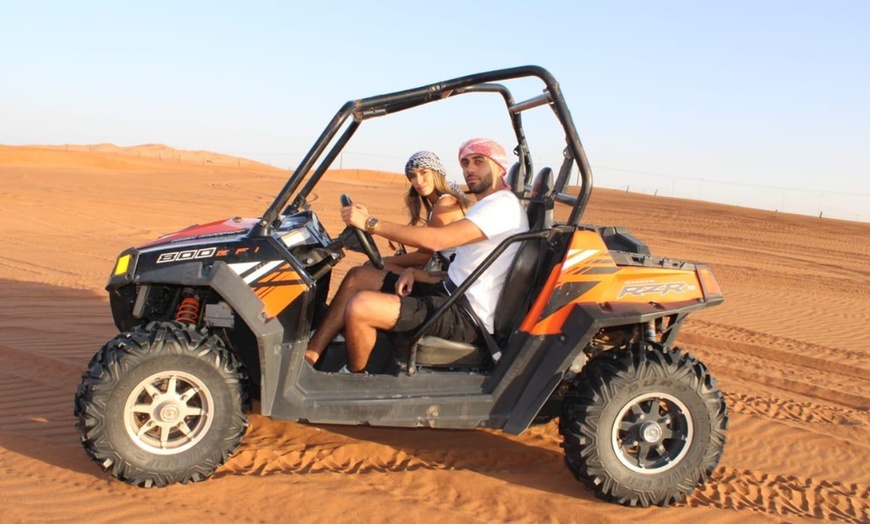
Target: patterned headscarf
(425,160)
(455,187)
(486,147)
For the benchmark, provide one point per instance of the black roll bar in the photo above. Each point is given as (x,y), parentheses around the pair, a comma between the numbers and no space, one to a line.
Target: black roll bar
(381,105)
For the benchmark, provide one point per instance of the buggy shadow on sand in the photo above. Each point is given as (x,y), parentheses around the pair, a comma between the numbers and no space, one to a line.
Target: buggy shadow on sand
(216,313)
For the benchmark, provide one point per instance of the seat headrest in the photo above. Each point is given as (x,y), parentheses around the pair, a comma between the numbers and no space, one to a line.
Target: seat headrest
(543,184)
(515,177)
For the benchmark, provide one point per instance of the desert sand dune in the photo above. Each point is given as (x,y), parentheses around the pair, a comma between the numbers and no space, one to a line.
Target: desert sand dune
(789,347)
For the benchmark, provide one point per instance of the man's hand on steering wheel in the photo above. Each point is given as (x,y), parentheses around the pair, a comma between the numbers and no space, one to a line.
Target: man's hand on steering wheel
(356,216)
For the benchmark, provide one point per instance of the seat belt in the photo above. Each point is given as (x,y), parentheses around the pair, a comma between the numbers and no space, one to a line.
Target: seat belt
(494,350)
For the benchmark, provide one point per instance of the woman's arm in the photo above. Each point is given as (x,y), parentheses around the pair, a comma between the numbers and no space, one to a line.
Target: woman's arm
(397,263)
(446,210)
(405,282)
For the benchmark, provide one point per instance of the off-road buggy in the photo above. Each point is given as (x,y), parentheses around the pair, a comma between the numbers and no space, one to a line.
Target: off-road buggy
(216,314)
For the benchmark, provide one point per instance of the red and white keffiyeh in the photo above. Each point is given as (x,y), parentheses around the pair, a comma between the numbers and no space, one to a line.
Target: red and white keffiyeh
(486,147)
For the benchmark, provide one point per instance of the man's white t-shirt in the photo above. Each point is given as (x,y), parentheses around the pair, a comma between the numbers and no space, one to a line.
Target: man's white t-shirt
(498,216)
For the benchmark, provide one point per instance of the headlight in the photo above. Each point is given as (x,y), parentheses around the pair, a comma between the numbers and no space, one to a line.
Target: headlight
(299,237)
(122,265)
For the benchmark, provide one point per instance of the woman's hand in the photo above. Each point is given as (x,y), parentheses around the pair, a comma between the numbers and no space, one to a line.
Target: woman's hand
(405,283)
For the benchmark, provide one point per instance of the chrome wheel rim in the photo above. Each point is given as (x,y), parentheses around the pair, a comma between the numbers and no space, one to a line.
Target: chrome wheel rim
(168,412)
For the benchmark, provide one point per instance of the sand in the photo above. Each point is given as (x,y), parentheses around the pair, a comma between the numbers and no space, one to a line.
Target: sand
(789,347)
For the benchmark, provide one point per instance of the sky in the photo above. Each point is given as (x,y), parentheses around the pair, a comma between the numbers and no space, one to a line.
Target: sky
(755,103)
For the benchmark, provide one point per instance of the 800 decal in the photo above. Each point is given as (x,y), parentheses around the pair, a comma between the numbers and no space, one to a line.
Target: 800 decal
(190,254)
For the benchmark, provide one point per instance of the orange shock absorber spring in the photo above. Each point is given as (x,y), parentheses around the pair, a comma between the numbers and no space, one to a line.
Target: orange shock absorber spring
(188,310)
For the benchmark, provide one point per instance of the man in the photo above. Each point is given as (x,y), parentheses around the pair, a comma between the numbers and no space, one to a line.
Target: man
(497,215)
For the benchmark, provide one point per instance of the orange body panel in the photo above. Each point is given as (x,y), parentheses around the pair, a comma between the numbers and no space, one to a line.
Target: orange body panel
(589,276)
(278,289)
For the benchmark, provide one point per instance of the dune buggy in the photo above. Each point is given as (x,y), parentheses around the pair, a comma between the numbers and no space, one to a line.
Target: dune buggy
(215,314)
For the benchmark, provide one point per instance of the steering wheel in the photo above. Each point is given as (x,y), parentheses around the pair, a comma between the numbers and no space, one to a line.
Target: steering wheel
(365,239)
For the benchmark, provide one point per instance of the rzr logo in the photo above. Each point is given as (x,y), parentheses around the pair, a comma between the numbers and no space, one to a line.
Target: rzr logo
(190,254)
(639,290)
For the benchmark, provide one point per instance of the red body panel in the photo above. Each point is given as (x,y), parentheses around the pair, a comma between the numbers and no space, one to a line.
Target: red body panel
(230,225)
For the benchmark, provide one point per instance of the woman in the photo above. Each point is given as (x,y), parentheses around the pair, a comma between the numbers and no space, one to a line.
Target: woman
(443,203)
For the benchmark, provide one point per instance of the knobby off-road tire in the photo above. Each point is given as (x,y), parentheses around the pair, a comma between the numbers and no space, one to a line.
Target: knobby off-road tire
(643,427)
(162,404)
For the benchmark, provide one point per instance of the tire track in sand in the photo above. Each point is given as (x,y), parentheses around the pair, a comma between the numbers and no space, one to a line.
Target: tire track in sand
(784,495)
(791,366)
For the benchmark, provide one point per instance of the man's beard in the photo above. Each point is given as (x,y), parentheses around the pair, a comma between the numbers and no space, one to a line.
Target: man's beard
(481,186)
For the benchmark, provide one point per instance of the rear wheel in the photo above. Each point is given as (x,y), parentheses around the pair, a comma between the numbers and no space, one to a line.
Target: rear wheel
(162,404)
(643,427)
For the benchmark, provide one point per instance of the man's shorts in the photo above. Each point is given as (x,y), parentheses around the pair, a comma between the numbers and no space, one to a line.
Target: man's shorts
(425,299)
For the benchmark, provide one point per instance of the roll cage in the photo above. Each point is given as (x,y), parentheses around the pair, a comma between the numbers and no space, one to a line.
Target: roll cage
(354,112)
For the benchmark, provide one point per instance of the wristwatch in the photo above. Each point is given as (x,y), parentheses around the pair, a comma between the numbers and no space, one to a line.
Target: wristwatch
(371,224)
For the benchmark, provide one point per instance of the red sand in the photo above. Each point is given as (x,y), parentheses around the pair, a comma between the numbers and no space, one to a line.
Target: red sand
(789,347)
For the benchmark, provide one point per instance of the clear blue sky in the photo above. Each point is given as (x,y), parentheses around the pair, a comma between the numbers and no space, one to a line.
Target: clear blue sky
(728,98)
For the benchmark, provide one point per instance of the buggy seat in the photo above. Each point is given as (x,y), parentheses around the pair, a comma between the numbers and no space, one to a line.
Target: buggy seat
(513,304)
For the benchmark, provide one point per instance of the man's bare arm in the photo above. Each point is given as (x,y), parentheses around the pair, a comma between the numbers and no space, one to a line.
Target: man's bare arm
(454,234)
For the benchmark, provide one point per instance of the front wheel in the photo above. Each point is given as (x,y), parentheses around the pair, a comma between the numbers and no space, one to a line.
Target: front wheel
(643,427)
(162,404)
